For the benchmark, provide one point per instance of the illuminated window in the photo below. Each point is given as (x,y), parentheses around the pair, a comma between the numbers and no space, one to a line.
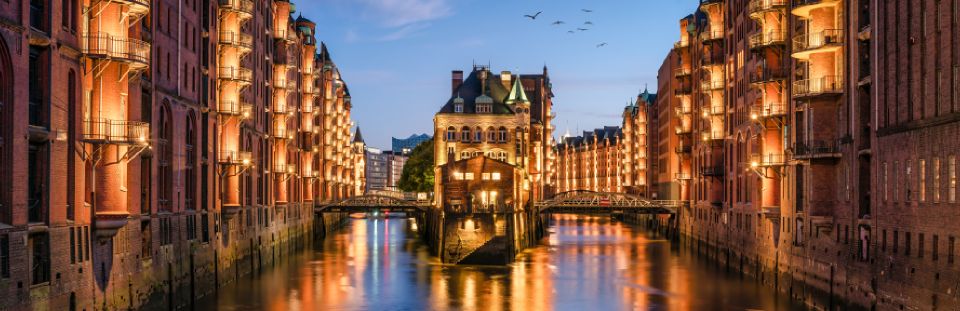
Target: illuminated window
(936,180)
(495,176)
(485,176)
(952,187)
(457,176)
(922,175)
(451,134)
(468,176)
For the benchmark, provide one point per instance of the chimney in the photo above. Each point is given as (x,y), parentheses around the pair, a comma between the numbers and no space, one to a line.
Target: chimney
(457,77)
(505,79)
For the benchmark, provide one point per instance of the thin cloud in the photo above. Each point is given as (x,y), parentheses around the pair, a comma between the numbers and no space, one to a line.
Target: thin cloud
(399,13)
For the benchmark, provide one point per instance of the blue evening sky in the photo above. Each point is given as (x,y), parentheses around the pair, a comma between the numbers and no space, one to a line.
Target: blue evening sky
(396,55)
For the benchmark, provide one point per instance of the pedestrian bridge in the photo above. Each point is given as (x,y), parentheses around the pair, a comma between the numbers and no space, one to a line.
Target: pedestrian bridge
(374,202)
(591,202)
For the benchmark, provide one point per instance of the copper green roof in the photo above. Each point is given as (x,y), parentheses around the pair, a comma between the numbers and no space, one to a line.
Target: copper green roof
(517,94)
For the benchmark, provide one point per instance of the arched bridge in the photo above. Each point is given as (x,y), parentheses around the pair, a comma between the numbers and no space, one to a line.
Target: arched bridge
(373,202)
(591,202)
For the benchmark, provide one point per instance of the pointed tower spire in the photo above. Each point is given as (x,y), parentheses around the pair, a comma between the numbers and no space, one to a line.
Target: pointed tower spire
(517,95)
(357,137)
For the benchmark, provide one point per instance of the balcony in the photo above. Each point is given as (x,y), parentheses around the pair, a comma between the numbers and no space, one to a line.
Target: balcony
(238,158)
(705,4)
(683,176)
(804,8)
(683,149)
(769,39)
(683,89)
(710,86)
(236,74)
(281,132)
(244,8)
(767,160)
(286,34)
(828,40)
(767,74)
(684,130)
(284,169)
(712,110)
(816,149)
(241,41)
(769,110)
(713,35)
(281,108)
(682,72)
(116,132)
(712,171)
(823,86)
(757,8)
(711,59)
(682,110)
(284,84)
(681,44)
(136,7)
(711,137)
(235,108)
(101,45)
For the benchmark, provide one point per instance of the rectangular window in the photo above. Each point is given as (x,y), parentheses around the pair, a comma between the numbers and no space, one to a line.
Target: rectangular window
(952,183)
(39,259)
(936,180)
(936,248)
(36,184)
(457,176)
(5,256)
(485,176)
(896,241)
(922,175)
(896,194)
(906,244)
(886,180)
(73,246)
(496,176)
(86,243)
(468,176)
(920,241)
(950,242)
(883,244)
(36,98)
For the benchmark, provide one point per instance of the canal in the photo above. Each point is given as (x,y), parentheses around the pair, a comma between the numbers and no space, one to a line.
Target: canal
(585,263)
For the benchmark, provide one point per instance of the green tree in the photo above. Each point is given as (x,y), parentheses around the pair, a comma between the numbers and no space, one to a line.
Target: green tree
(418,172)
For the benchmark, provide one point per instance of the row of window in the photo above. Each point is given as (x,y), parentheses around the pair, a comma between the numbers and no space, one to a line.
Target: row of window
(470,176)
(922,180)
(477,135)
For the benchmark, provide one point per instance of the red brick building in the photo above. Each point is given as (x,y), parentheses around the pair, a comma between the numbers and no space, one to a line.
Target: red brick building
(159,143)
(594,161)
(823,152)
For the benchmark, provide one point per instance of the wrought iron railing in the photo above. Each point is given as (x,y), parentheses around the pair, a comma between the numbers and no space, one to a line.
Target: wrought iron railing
(235,157)
(818,86)
(761,6)
(769,110)
(116,132)
(236,73)
(244,6)
(682,72)
(101,44)
(769,38)
(816,149)
(681,44)
(770,159)
(711,85)
(232,107)
(767,73)
(816,40)
(236,39)
(711,35)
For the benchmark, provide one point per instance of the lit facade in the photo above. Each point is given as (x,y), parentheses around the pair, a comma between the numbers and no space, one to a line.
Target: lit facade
(594,161)
(159,136)
(493,116)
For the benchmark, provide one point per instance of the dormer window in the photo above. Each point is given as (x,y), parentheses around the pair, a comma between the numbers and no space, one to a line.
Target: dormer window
(484,108)
(458,108)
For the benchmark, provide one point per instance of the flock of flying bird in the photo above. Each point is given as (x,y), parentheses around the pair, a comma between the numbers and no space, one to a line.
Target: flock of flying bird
(559,22)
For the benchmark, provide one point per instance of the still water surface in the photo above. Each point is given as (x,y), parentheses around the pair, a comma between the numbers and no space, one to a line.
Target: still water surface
(586,263)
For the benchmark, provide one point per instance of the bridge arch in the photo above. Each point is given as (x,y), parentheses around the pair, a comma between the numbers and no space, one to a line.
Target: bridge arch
(588,201)
(373,202)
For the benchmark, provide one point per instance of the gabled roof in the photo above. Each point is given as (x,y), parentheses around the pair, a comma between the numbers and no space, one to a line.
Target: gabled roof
(610,133)
(517,95)
(473,88)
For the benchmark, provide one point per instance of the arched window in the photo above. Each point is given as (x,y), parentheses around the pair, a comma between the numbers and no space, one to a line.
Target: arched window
(465,134)
(6,103)
(165,155)
(491,134)
(503,134)
(451,134)
(478,135)
(191,162)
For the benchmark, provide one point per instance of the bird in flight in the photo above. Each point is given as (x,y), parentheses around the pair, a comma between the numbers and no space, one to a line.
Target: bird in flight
(585,10)
(602,45)
(534,16)
(588,23)
(570,31)
(558,23)
(582,29)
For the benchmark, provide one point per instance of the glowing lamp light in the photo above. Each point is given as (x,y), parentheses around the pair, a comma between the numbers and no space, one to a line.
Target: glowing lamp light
(754,116)
(246,162)
(142,138)
(754,164)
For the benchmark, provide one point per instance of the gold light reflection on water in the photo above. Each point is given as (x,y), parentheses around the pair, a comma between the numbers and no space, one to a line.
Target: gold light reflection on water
(586,263)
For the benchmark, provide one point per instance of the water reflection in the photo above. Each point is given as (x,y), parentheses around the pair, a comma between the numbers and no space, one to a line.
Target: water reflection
(586,263)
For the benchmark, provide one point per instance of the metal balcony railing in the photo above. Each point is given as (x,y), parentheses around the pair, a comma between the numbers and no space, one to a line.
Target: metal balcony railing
(682,110)
(711,136)
(119,132)
(683,149)
(684,129)
(236,74)
(711,59)
(711,35)
(826,85)
(766,160)
(774,38)
(236,39)
(137,7)
(683,89)
(231,107)
(235,157)
(281,132)
(682,72)
(816,149)
(713,110)
(285,34)
(711,85)
(682,176)
(716,170)
(103,45)
(239,6)
(758,7)
(282,108)
(769,110)
(765,74)
(816,40)
(287,169)
(681,44)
